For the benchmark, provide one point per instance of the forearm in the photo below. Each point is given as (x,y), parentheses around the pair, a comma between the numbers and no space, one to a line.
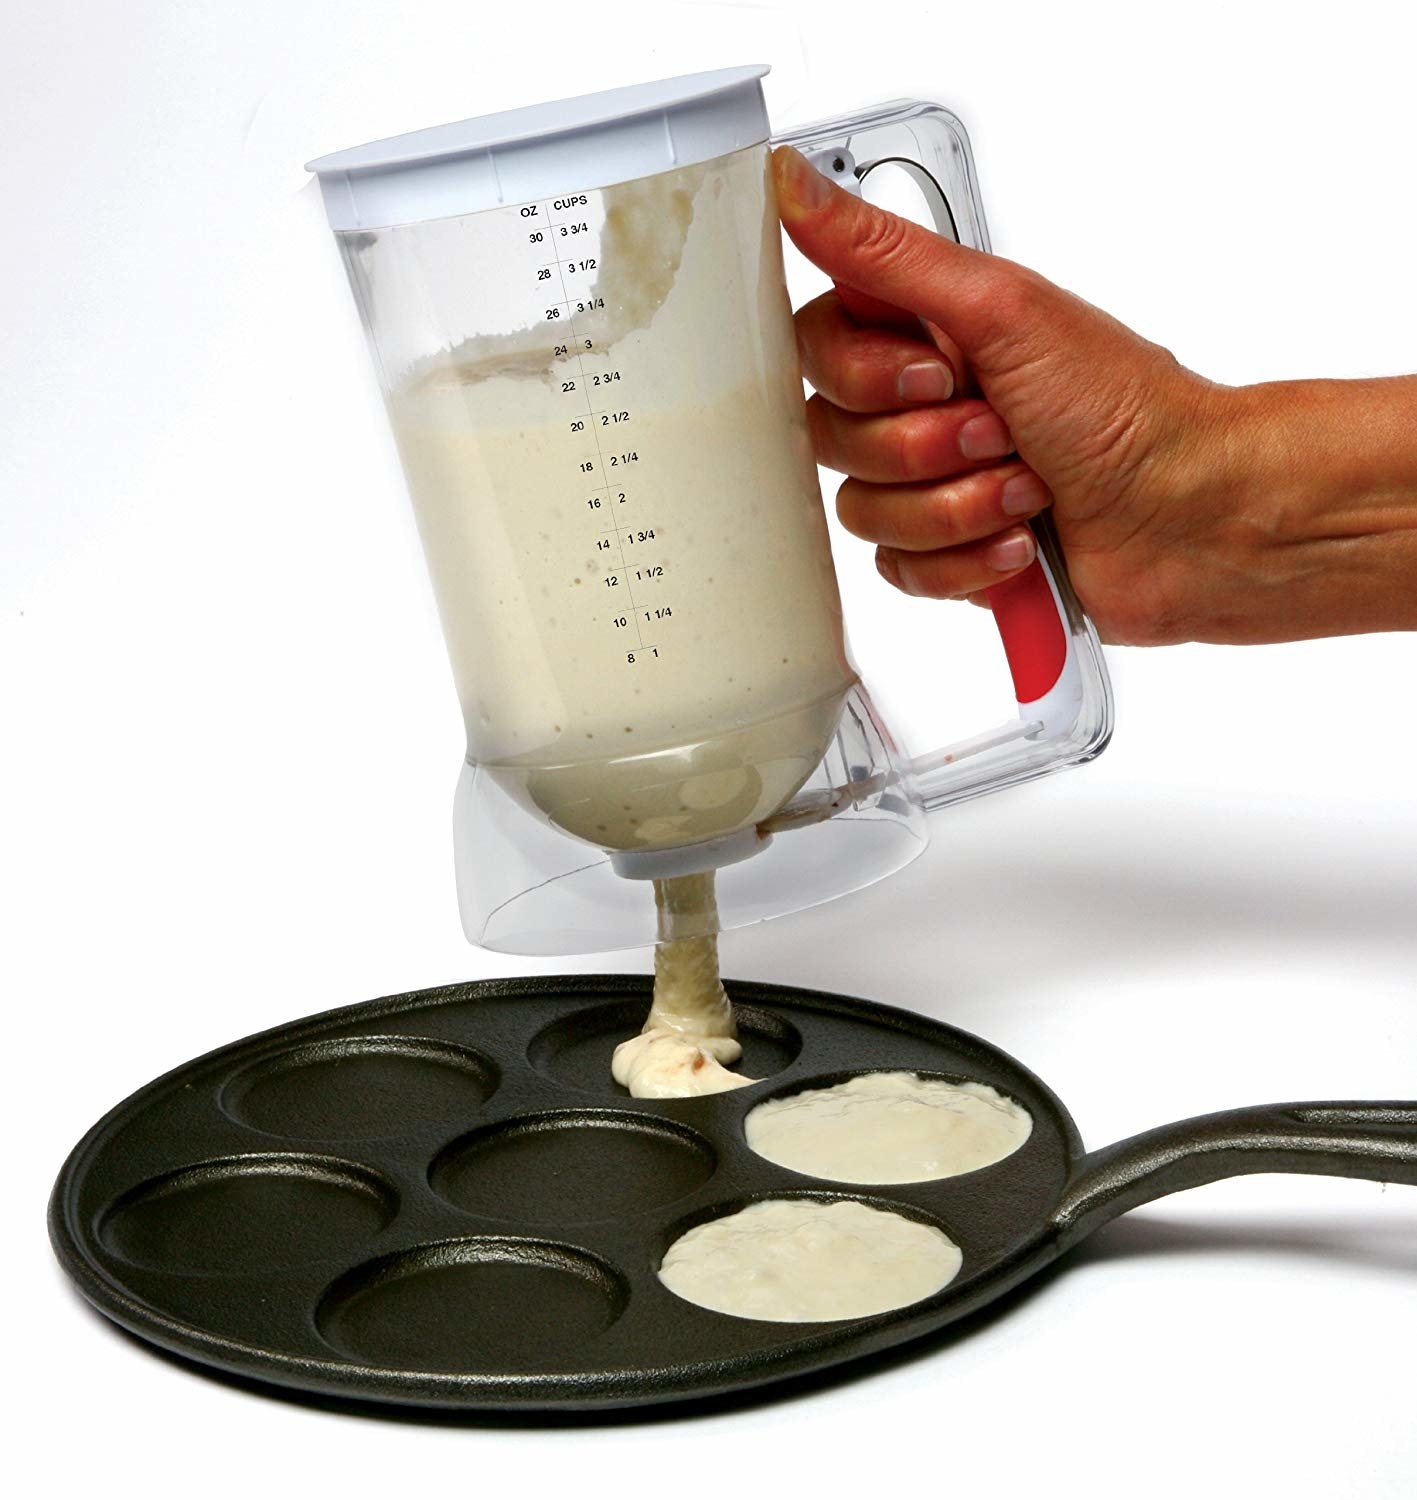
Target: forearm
(1319,482)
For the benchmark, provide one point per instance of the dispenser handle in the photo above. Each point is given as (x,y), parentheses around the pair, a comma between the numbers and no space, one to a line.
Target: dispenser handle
(1063,696)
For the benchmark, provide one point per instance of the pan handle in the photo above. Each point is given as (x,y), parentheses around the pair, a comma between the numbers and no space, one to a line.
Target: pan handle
(1376,1140)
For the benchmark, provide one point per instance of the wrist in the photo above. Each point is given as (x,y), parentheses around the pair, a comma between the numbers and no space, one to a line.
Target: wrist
(1312,487)
(1343,450)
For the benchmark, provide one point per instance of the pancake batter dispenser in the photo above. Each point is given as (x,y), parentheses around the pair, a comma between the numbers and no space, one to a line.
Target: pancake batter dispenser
(582,331)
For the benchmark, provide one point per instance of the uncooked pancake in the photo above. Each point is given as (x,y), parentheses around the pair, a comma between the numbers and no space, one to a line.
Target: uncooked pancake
(889,1127)
(794,1260)
(664,1064)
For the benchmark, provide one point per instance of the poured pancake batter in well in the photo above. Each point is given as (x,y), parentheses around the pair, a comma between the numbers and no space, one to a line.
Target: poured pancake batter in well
(690,1034)
(889,1127)
(792,1260)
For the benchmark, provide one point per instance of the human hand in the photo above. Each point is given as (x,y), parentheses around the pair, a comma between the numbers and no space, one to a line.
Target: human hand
(961,394)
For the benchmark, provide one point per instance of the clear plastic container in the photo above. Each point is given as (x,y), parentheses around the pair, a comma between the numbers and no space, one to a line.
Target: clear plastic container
(606,447)
(595,392)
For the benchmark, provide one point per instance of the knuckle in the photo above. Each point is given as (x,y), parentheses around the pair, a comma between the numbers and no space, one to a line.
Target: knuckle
(923,441)
(843,372)
(811,323)
(865,511)
(903,447)
(849,506)
(845,380)
(942,515)
(822,419)
(881,236)
(1152,612)
(932,575)
(1018,296)
(819,310)
(911,434)
(814,367)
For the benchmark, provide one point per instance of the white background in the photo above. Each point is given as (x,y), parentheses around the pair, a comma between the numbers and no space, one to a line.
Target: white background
(228,740)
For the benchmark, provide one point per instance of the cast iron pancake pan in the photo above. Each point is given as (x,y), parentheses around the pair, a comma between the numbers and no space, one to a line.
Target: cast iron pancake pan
(442,1199)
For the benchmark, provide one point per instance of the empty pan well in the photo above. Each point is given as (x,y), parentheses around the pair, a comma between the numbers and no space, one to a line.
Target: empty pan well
(573,1167)
(472,1305)
(362,1088)
(247,1215)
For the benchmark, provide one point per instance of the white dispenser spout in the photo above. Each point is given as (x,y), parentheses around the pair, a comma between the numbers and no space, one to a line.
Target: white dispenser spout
(689,859)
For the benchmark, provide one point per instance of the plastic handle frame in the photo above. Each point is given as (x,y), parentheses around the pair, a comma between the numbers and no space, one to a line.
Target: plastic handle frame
(1060,680)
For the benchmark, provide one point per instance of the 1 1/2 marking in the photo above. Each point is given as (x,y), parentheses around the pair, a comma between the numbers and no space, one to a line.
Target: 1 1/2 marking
(576,346)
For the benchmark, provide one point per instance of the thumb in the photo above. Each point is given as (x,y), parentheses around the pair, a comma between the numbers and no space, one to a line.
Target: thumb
(990,307)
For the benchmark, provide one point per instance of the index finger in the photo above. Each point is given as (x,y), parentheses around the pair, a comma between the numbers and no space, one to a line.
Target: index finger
(871,312)
(866,368)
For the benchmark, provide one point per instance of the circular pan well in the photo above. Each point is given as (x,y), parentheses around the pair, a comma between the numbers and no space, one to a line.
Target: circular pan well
(952,1127)
(247,1215)
(361,1088)
(573,1167)
(472,1305)
(577,1049)
(809,1258)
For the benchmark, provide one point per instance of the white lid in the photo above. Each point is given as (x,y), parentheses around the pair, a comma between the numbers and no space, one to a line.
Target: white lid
(520,155)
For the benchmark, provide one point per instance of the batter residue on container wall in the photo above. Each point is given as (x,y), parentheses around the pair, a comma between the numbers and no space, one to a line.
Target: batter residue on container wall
(690,1034)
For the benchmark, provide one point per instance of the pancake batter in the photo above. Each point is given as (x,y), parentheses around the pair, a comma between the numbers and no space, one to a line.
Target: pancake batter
(889,1127)
(621,514)
(690,1033)
(792,1260)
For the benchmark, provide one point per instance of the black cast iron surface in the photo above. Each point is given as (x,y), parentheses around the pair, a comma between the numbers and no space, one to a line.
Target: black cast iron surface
(442,1199)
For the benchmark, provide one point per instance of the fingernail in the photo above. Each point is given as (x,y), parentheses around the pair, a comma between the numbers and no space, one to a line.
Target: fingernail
(929,380)
(888,567)
(799,181)
(984,436)
(1023,495)
(1012,553)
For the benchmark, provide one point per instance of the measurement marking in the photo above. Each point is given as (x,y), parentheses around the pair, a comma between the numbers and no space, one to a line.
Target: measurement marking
(599,453)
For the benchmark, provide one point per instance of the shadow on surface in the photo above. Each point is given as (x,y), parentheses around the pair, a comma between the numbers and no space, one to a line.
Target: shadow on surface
(1366,1242)
(1103,896)
(1376,1243)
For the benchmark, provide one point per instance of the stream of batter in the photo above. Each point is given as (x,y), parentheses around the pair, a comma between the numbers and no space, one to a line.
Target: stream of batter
(689,1035)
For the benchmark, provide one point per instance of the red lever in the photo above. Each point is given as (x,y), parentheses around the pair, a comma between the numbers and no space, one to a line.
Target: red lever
(1032,631)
